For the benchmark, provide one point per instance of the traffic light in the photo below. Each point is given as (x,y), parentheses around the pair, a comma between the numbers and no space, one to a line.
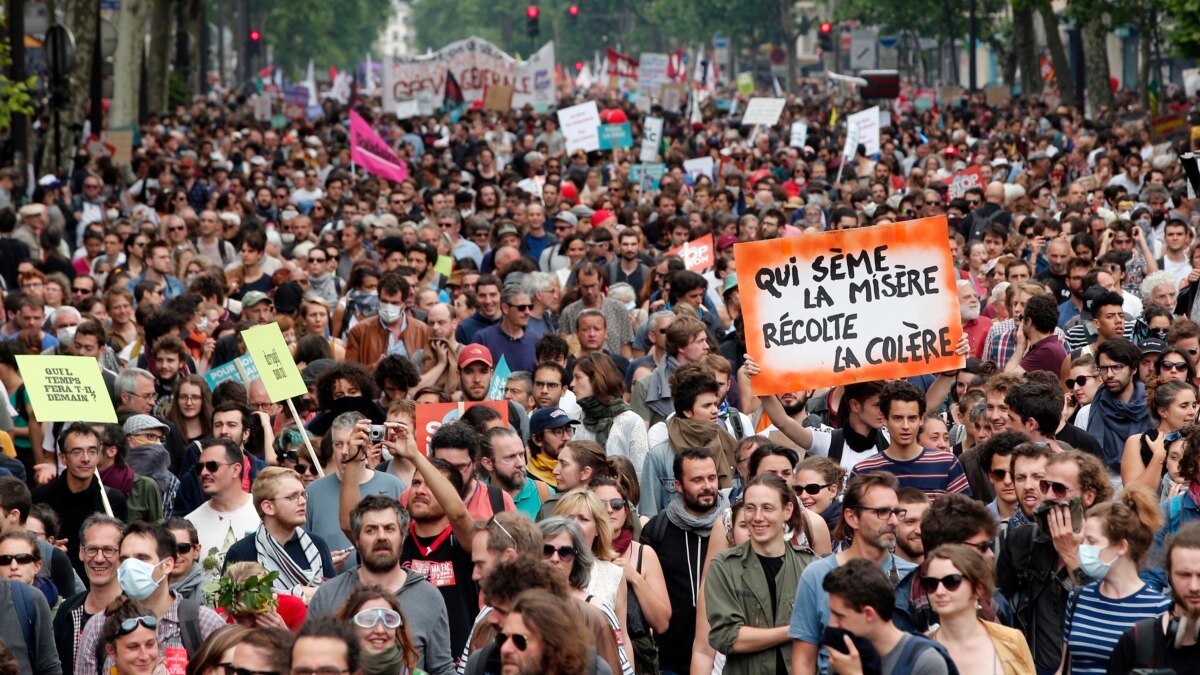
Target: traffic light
(825,36)
(255,35)
(255,42)
(578,66)
(531,21)
(573,15)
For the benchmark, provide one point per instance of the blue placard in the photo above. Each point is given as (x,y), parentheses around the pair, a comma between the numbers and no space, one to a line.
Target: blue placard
(647,175)
(229,371)
(616,136)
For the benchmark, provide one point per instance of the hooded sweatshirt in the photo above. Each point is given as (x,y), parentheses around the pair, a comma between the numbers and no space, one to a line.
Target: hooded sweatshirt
(189,585)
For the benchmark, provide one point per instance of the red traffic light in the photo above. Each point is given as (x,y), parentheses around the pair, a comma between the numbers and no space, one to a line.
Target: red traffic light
(255,36)
(579,65)
(573,10)
(826,27)
(532,12)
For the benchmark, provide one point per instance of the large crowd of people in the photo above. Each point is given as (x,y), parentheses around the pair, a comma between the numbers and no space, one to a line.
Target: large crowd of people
(623,501)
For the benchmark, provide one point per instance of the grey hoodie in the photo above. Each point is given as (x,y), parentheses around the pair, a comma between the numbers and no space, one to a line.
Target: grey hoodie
(189,585)
(424,615)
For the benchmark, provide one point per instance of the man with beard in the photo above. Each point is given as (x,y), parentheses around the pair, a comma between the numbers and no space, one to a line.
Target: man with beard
(870,511)
(626,267)
(230,421)
(460,446)
(1072,306)
(280,544)
(502,456)
(422,258)
(475,370)
(1168,641)
(909,551)
(229,511)
(1119,408)
(100,537)
(976,327)
(1002,337)
(378,524)
(440,353)
(1055,277)
(680,536)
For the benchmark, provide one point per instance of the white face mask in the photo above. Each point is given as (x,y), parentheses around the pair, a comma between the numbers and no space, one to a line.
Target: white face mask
(288,238)
(66,335)
(390,313)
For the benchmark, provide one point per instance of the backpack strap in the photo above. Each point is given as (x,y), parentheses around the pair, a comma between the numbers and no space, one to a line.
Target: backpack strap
(914,647)
(543,490)
(22,597)
(837,444)
(1143,642)
(735,421)
(189,624)
(496,497)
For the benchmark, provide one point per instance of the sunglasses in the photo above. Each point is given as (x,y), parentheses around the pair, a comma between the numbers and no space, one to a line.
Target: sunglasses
(370,618)
(81,290)
(1181,366)
(519,641)
(983,547)
(1080,381)
(614,504)
(21,558)
(305,468)
(212,466)
(130,625)
(999,474)
(565,553)
(1053,487)
(522,308)
(811,488)
(185,548)
(951,582)
(231,669)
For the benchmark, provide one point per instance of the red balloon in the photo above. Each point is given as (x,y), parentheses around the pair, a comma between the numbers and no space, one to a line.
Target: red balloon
(605,115)
(617,116)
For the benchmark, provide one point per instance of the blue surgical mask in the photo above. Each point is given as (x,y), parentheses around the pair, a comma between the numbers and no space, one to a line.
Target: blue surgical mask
(1090,563)
(136,578)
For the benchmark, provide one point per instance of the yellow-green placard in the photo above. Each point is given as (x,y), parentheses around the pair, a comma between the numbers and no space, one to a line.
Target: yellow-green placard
(274,362)
(745,83)
(66,389)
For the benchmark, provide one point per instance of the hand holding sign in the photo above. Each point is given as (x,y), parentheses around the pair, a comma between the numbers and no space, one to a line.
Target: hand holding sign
(66,389)
(280,376)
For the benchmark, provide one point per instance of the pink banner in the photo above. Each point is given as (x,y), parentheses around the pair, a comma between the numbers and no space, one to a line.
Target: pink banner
(369,151)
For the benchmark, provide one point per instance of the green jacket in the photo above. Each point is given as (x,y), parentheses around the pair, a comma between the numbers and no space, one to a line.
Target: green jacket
(735,596)
(145,501)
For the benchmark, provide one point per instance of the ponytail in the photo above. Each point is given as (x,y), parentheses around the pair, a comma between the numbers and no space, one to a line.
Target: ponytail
(1134,518)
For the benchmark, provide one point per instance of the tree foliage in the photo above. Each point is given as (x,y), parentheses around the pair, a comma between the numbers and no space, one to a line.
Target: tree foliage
(330,33)
(927,18)
(15,97)
(1184,20)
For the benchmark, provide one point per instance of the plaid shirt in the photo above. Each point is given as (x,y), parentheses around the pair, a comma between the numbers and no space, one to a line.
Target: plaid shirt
(1001,342)
(169,635)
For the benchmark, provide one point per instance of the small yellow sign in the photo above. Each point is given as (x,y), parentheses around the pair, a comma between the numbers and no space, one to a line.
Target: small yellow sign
(274,362)
(66,389)
(745,84)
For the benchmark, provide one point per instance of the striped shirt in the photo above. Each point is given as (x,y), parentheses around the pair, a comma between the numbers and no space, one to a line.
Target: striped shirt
(933,472)
(1094,623)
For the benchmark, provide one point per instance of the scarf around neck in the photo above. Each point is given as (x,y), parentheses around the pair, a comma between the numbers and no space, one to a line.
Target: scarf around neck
(119,478)
(598,417)
(1113,420)
(387,662)
(689,433)
(687,521)
(292,577)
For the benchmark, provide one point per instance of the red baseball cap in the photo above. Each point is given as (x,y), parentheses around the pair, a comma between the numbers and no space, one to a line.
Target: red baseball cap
(472,353)
(600,216)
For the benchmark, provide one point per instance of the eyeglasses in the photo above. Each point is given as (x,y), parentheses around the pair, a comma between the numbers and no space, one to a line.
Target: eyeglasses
(185,547)
(950,581)
(177,228)
(884,512)
(370,618)
(21,558)
(1055,488)
(999,474)
(1115,368)
(983,547)
(519,641)
(565,553)
(811,488)
(493,521)
(81,291)
(151,436)
(445,225)
(565,430)
(614,504)
(212,466)
(295,497)
(129,625)
(1080,381)
(315,260)
(1181,366)
(231,669)
(542,384)
(107,552)
(188,398)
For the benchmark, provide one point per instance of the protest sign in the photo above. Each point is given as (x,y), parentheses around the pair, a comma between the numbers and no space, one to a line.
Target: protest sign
(370,152)
(616,136)
(580,124)
(1166,128)
(700,166)
(497,98)
(647,175)
(122,144)
(652,72)
(799,135)
(273,360)
(763,111)
(651,139)
(964,180)
(240,369)
(1191,167)
(867,123)
(698,254)
(262,107)
(745,84)
(621,65)
(672,97)
(499,383)
(997,95)
(66,389)
(849,306)
(431,416)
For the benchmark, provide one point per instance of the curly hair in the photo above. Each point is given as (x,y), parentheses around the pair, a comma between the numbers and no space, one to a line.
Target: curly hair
(353,372)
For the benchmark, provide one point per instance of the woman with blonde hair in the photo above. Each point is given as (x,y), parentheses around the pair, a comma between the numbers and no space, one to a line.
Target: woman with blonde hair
(607,581)
(375,616)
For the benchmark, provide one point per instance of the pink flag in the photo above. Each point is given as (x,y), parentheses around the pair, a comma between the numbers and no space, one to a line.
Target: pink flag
(369,151)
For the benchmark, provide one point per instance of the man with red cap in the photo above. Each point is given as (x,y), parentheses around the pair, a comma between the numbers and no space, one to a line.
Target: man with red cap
(475,372)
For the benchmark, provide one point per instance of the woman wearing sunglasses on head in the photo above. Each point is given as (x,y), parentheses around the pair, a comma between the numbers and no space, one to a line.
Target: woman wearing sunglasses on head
(1173,405)
(386,648)
(1117,536)
(131,639)
(956,579)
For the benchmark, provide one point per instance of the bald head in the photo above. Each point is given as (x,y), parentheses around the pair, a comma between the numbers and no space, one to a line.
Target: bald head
(440,319)
(995,192)
(505,255)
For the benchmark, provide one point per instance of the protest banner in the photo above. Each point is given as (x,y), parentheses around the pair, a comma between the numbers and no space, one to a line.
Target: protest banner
(580,125)
(652,133)
(475,63)
(621,65)
(497,98)
(1166,128)
(799,136)
(499,383)
(698,254)
(700,166)
(616,136)
(763,111)
(672,96)
(867,123)
(647,175)
(66,389)
(369,151)
(431,416)
(964,180)
(847,306)
(278,372)
(745,84)
(240,369)
(652,72)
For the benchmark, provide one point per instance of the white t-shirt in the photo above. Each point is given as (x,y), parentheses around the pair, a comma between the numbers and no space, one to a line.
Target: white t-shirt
(220,530)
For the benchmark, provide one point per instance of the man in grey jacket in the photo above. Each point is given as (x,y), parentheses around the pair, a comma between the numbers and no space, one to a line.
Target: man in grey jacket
(378,524)
(43,660)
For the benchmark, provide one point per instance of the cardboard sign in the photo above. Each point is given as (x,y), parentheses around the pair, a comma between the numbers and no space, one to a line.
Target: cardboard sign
(122,145)
(799,135)
(580,125)
(875,303)
(672,97)
(497,98)
(66,389)
(964,180)
(274,362)
(647,175)
(950,94)
(431,416)
(867,124)
(998,95)
(652,133)
(698,254)
(616,136)
(763,111)
(240,369)
(745,84)
(700,166)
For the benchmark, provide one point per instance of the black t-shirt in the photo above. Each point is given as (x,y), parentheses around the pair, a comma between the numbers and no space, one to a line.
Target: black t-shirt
(681,555)
(75,507)
(771,567)
(448,567)
(1057,284)
(1183,661)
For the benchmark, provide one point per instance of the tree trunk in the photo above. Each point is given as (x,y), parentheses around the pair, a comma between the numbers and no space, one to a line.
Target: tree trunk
(1058,55)
(1025,45)
(198,21)
(1095,58)
(127,64)
(158,71)
(80,18)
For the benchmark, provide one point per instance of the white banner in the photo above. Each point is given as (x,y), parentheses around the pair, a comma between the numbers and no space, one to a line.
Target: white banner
(652,133)
(652,73)
(867,124)
(581,125)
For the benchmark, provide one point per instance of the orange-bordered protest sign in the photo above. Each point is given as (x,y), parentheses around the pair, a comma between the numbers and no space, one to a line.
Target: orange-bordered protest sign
(431,416)
(698,254)
(849,306)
